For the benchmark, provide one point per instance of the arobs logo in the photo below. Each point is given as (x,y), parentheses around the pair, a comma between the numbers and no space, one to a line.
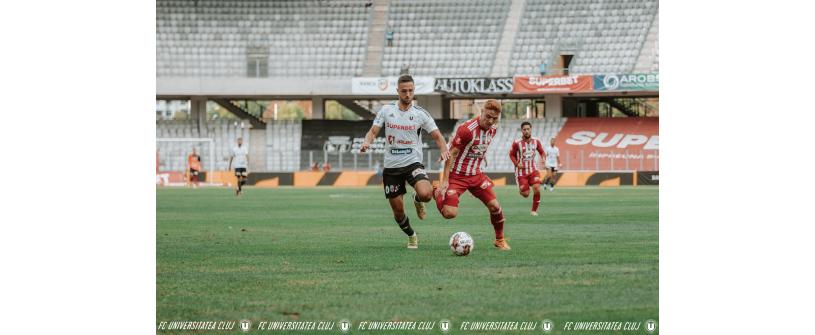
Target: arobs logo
(246,325)
(650,326)
(345,325)
(547,326)
(444,325)
(630,81)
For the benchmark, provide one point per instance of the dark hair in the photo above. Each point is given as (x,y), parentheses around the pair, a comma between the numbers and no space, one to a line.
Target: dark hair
(405,78)
(525,124)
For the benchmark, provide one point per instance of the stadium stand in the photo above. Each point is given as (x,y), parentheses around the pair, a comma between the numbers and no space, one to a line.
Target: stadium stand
(605,37)
(214,38)
(445,38)
(287,38)
(330,41)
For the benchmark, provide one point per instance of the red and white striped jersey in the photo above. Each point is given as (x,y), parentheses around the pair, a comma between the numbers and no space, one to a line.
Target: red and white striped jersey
(472,142)
(524,152)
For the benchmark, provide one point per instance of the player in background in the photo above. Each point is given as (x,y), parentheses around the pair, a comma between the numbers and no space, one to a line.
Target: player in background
(552,164)
(462,171)
(193,168)
(403,123)
(240,155)
(523,154)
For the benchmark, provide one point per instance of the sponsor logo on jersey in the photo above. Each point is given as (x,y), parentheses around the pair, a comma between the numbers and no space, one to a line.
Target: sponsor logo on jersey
(399,126)
(401,151)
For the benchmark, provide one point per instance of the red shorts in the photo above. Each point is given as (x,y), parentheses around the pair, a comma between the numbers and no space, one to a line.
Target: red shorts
(480,186)
(529,179)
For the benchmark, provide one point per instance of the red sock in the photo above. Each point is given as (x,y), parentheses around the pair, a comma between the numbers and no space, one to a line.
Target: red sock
(439,202)
(497,221)
(536,200)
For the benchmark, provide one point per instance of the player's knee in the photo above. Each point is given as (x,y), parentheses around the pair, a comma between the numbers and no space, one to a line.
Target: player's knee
(536,188)
(494,208)
(449,213)
(424,195)
(525,193)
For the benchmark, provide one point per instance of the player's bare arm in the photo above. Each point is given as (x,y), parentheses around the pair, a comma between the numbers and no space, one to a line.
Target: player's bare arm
(369,138)
(512,153)
(448,166)
(442,144)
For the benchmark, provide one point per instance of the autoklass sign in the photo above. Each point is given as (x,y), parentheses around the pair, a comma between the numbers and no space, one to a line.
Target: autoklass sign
(627,82)
(387,85)
(552,84)
(465,86)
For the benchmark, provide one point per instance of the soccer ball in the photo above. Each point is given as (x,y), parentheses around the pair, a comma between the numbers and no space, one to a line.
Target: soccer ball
(461,244)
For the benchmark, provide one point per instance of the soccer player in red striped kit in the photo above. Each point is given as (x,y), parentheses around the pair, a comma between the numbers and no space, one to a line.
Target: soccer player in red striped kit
(462,171)
(523,155)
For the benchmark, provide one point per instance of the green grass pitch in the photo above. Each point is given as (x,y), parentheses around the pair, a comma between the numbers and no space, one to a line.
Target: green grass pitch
(325,254)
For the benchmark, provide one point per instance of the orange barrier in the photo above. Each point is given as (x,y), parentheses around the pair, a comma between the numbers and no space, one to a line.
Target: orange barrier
(353,179)
(307,178)
(226,178)
(368,178)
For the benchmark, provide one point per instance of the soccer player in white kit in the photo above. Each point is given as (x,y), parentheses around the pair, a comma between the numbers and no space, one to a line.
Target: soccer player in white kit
(552,164)
(403,123)
(240,155)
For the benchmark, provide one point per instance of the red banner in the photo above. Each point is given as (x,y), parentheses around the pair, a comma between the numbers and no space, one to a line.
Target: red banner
(609,144)
(553,84)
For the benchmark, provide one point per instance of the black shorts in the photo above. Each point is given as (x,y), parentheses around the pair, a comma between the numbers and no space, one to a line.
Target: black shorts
(240,172)
(394,178)
(193,172)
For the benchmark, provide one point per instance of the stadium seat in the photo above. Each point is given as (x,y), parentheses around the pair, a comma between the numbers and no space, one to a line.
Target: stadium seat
(243,25)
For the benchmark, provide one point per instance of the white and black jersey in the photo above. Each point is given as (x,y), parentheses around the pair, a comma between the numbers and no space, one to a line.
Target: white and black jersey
(403,141)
